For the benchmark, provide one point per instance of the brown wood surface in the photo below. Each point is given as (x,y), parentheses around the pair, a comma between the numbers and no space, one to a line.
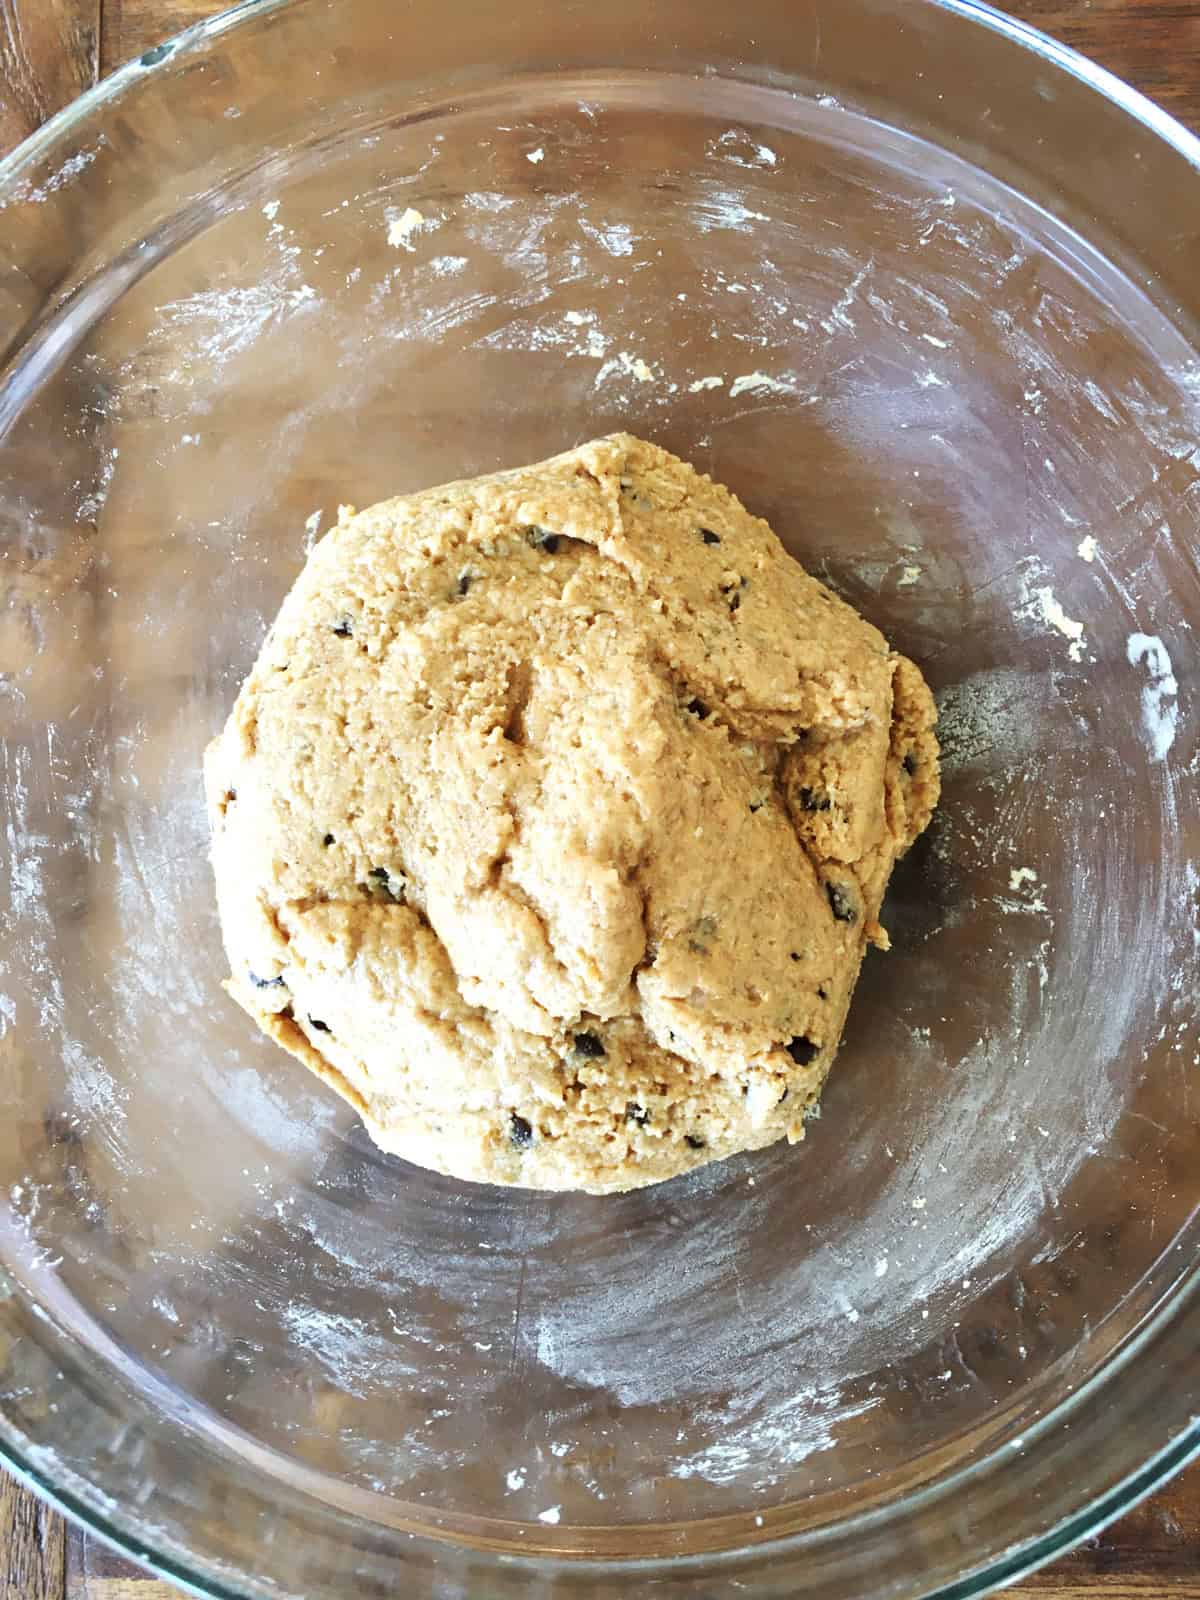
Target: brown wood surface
(49,50)
(33,1546)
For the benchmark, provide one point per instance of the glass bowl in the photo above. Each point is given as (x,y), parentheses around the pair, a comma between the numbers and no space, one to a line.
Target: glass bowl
(922,288)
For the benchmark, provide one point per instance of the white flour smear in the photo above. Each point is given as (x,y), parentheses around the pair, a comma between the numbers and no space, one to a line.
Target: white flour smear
(225,323)
(1160,703)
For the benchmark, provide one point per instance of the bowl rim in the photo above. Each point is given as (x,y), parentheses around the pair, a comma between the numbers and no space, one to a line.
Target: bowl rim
(1167,127)
(1174,1455)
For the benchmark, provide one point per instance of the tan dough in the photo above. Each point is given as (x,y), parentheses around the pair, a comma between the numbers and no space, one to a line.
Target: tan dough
(554,818)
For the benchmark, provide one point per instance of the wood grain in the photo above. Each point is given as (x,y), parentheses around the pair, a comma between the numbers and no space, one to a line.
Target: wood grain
(49,50)
(132,1587)
(32,1547)
(132,26)
(49,53)
(1151,1554)
(1153,44)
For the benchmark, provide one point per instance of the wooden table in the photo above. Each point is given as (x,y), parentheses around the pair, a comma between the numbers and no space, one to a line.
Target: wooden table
(49,51)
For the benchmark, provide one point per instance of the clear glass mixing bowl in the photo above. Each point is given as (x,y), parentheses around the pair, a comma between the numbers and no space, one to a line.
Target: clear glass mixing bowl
(923,289)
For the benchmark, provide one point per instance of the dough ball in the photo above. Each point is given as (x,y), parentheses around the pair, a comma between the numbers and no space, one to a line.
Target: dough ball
(553,821)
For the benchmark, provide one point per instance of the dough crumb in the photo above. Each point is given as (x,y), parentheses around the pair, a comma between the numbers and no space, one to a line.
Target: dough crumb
(1054,616)
(629,365)
(402,228)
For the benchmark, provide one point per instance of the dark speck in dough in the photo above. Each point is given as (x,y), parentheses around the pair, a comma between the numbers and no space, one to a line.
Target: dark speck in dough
(841,903)
(520,1132)
(802,1051)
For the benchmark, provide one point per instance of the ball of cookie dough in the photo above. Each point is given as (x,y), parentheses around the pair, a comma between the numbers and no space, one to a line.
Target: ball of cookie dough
(553,820)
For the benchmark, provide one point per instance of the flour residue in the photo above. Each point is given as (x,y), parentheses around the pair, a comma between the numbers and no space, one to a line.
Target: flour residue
(1160,702)
(586,339)
(743,150)
(807,1424)
(615,238)
(346,1348)
(448,266)
(1022,882)
(626,365)
(716,208)
(38,194)
(760,383)
(213,327)
(989,720)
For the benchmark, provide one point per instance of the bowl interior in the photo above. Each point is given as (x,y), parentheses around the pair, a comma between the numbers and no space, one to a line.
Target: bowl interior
(954,409)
